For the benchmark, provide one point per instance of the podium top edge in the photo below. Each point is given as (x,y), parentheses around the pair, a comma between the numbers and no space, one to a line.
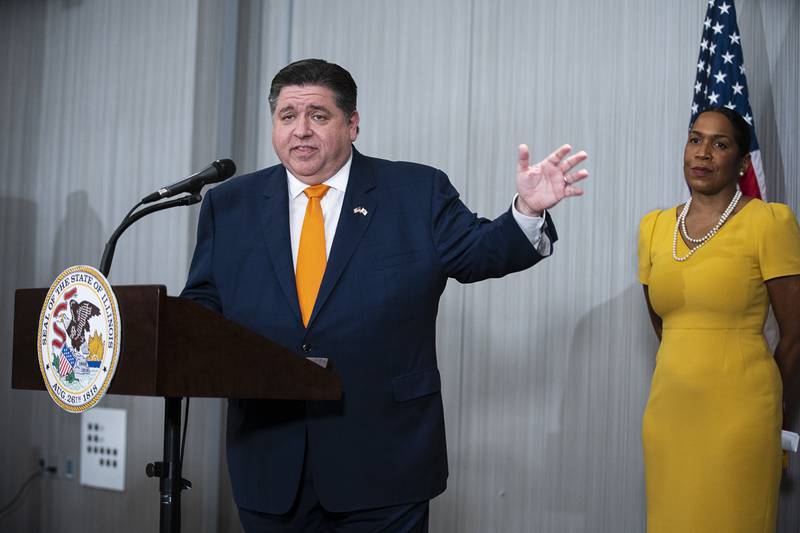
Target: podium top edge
(161,288)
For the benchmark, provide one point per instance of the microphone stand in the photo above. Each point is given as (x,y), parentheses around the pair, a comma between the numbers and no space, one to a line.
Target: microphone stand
(131,217)
(170,469)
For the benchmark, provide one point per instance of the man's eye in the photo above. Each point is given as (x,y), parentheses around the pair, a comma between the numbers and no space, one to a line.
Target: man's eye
(722,145)
(287,118)
(319,118)
(694,140)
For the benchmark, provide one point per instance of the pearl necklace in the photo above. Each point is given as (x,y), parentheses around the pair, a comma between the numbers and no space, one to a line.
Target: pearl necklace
(681,224)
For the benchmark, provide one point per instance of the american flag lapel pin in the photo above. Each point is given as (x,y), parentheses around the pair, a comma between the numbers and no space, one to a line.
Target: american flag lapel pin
(360,210)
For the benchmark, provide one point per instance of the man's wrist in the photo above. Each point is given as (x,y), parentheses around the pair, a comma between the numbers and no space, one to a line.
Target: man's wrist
(524,209)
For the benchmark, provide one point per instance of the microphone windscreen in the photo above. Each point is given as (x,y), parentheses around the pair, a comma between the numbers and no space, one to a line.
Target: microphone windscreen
(225,169)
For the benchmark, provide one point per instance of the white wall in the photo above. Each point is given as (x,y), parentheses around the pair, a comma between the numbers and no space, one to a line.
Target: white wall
(545,373)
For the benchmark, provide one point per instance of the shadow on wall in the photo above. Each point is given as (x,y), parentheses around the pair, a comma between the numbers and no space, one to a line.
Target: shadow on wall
(600,464)
(18,459)
(789,510)
(18,242)
(79,238)
(568,458)
(611,360)
(783,89)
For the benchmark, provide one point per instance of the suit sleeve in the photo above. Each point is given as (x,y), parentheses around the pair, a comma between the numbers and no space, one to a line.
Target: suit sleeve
(471,248)
(200,285)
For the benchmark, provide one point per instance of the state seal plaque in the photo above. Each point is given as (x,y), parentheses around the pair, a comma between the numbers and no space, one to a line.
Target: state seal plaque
(79,338)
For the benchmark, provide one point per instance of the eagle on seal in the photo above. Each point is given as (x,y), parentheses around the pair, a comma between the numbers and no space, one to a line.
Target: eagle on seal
(78,327)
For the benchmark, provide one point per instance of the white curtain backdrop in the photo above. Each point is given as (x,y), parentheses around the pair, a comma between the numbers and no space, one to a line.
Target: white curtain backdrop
(545,373)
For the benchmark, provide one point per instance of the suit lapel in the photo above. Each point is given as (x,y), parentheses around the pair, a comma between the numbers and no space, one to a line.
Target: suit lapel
(358,210)
(274,207)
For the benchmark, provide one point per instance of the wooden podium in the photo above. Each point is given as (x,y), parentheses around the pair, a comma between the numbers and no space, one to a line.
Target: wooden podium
(175,348)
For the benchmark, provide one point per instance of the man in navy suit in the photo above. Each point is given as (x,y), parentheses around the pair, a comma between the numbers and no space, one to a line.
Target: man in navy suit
(394,232)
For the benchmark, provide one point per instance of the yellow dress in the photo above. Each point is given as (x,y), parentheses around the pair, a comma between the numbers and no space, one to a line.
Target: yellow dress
(711,428)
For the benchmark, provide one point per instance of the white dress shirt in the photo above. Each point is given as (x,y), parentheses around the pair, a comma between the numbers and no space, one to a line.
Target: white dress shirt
(332,207)
(533,228)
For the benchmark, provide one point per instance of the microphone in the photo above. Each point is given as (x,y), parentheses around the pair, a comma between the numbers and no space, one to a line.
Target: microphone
(219,170)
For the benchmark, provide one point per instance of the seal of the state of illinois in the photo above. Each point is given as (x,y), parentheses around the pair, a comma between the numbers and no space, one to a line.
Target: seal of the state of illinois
(79,338)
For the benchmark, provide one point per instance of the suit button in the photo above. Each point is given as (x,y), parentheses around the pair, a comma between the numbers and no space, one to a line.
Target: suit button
(306,347)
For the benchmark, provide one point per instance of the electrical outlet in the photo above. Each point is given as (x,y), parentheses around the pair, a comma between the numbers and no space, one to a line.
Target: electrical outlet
(52,464)
(103,439)
(69,468)
(42,458)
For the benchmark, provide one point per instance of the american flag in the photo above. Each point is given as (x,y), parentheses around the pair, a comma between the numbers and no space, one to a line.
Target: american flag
(66,361)
(721,81)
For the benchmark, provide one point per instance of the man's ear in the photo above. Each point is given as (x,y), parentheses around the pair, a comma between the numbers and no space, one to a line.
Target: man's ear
(353,124)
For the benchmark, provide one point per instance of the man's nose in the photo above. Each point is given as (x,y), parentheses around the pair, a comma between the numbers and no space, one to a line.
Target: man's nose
(302,128)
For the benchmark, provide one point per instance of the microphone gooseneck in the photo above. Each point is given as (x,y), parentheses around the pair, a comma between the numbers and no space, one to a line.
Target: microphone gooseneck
(219,170)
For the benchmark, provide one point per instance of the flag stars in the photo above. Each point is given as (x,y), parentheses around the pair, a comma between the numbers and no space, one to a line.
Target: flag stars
(718,28)
(713,98)
(707,23)
(741,69)
(728,57)
(730,106)
(737,89)
(734,37)
(712,49)
(711,3)
(694,108)
(698,87)
(723,9)
(704,44)
(748,118)
(701,66)
(720,76)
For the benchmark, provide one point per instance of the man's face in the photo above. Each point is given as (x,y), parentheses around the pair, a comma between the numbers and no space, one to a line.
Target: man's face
(311,135)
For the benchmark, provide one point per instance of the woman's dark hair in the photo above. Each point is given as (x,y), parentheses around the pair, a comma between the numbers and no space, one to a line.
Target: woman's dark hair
(316,72)
(741,129)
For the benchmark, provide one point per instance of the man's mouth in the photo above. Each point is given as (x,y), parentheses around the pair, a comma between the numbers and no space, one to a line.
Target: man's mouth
(304,150)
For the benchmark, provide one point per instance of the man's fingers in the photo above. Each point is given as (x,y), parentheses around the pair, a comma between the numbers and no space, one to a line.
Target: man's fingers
(524,159)
(578,176)
(556,157)
(574,160)
(571,190)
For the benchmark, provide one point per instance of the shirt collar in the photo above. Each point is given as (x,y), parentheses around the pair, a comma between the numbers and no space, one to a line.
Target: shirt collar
(338,181)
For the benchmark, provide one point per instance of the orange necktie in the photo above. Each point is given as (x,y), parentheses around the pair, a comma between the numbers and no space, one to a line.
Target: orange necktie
(311,254)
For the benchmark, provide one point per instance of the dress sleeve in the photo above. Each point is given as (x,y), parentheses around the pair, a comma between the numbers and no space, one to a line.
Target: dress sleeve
(646,228)
(779,243)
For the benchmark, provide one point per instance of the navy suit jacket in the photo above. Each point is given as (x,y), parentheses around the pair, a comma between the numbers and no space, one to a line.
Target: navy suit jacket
(374,318)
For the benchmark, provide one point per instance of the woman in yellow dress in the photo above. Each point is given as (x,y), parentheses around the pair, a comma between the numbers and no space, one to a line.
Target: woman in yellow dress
(710,269)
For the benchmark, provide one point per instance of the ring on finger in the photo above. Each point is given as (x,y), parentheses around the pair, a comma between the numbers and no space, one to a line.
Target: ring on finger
(566,181)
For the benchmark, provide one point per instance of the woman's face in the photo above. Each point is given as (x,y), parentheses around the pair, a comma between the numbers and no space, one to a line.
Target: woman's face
(711,158)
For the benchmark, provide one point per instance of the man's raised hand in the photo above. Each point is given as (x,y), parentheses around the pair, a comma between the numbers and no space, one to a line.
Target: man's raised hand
(543,185)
